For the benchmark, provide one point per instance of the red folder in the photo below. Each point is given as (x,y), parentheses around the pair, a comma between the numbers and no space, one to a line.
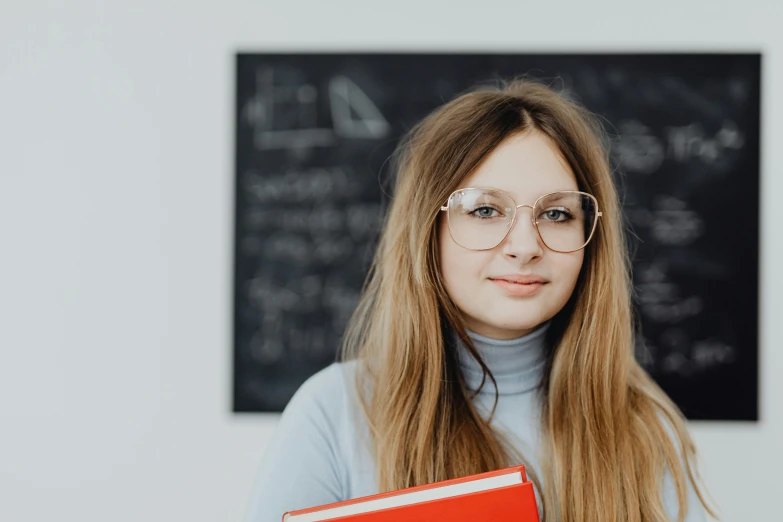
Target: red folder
(496,496)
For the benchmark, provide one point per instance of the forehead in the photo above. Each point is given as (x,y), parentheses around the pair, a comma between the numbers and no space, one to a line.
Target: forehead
(527,166)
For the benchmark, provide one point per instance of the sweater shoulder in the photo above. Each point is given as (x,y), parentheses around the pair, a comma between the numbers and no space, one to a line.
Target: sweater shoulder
(328,395)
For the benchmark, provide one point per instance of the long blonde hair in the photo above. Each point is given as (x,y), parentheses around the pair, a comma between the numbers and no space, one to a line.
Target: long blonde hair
(609,432)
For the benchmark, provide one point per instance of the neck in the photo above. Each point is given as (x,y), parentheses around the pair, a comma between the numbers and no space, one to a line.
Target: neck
(516,364)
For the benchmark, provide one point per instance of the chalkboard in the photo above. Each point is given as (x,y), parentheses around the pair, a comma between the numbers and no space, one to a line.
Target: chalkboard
(314,133)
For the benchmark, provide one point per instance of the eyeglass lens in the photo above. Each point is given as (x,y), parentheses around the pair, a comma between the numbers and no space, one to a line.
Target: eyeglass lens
(479,219)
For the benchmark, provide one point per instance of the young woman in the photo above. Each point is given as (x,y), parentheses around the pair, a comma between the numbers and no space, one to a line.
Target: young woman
(495,328)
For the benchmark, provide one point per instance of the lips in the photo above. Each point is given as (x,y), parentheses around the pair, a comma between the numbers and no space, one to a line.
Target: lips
(519,285)
(520,279)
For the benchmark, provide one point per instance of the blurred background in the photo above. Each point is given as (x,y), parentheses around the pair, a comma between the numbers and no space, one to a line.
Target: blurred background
(118,166)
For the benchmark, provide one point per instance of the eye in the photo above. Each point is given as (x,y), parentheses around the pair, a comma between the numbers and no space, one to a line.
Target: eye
(485,212)
(556,214)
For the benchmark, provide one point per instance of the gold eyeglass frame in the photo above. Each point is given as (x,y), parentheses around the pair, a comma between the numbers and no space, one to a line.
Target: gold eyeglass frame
(533,220)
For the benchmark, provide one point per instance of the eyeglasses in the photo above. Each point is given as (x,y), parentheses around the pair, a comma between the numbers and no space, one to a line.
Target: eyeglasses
(481,218)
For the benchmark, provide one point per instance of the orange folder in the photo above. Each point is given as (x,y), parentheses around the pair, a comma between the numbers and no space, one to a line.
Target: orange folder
(496,496)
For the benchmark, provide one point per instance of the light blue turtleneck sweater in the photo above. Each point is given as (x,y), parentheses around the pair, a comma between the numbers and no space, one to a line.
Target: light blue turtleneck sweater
(320,451)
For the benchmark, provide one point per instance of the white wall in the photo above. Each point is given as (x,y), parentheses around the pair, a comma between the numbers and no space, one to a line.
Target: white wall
(116,167)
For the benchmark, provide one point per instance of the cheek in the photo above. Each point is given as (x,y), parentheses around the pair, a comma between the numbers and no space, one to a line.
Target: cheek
(568,267)
(459,268)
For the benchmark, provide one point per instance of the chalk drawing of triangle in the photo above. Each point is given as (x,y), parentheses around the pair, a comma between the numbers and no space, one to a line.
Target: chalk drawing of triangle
(354,115)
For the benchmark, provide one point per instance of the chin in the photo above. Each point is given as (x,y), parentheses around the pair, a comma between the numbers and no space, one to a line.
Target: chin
(525,327)
(510,328)
(522,321)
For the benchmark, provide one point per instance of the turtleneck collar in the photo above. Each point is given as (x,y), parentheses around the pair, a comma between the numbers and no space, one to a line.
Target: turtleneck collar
(517,364)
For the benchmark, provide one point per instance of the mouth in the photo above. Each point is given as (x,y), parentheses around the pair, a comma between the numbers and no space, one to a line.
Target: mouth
(519,286)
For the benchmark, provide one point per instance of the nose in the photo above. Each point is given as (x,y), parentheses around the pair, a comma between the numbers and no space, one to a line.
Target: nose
(523,242)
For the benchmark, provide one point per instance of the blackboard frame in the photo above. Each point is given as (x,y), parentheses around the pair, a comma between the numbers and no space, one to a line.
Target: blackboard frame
(726,395)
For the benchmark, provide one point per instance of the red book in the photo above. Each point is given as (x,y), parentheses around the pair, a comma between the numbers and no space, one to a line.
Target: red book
(496,496)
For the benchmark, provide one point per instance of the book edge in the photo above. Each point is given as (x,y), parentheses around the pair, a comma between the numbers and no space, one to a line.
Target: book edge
(519,469)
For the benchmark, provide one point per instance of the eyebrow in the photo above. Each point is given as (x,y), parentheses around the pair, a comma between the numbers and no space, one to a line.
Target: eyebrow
(559,198)
(517,198)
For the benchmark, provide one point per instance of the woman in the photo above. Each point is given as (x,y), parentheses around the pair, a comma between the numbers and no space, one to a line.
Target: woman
(495,328)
